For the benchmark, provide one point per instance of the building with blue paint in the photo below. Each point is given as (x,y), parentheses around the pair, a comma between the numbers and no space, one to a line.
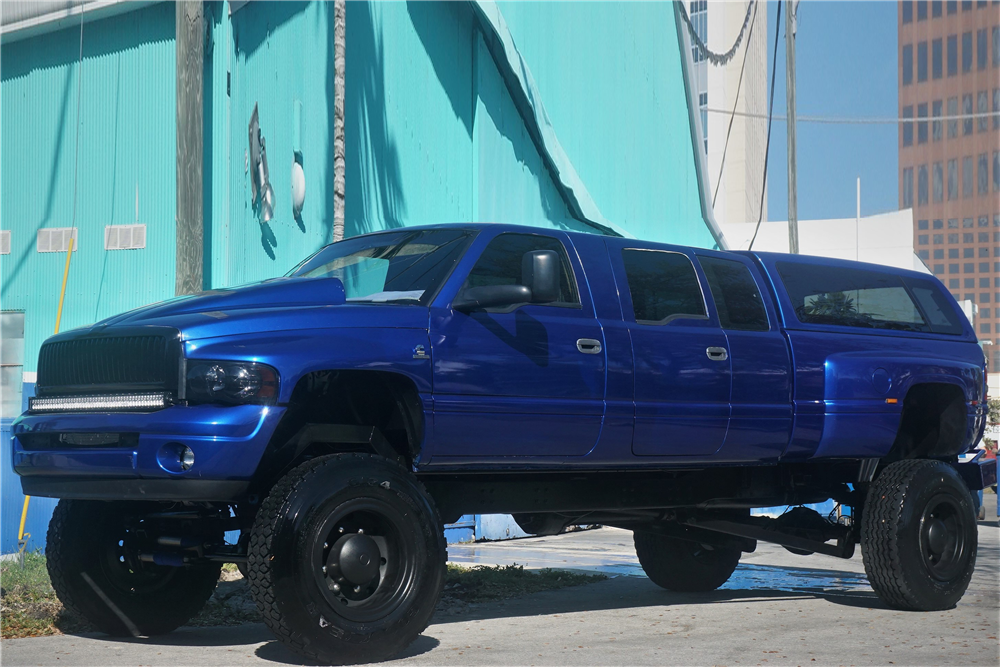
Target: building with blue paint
(569,115)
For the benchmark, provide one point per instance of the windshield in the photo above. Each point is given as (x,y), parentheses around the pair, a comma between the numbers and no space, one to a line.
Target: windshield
(394,267)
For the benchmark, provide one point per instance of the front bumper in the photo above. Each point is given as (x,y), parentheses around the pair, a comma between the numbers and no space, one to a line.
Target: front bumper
(228,443)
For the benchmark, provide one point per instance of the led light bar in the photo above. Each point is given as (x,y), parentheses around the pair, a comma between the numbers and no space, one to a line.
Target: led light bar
(98,403)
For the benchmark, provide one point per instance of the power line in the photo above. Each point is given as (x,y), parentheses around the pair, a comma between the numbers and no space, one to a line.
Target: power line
(862,120)
(732,117)
(770,116)
(712,56)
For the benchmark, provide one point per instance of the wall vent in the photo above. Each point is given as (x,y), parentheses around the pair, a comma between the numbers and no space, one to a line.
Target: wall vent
(124,237)
(56,239)
(5,242)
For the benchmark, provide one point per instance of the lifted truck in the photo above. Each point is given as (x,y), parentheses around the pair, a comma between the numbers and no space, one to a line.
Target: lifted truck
(392,382)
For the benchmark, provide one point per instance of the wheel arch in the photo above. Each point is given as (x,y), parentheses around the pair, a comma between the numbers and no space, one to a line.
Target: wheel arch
(345,410)
(934,421)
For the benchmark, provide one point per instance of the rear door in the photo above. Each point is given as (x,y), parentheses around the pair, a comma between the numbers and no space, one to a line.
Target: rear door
(760,420)
(680,355)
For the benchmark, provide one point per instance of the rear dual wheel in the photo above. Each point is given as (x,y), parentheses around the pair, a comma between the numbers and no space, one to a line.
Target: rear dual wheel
(919,536)
(347,558)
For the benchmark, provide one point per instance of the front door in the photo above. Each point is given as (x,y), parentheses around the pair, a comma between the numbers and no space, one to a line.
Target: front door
(681,356)
(524,380)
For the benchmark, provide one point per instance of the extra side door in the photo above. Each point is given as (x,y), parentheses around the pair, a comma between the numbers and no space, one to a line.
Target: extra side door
(680,354)
(525,380)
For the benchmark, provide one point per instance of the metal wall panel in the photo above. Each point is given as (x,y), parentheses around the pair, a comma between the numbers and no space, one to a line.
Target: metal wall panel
(611,80)
(125,172)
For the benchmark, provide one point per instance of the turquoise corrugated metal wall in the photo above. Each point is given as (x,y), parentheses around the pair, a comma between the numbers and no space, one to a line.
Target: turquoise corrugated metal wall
(611,80)
(126,168)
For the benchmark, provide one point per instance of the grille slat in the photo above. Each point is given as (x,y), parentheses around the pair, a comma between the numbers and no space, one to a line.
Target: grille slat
(118,363)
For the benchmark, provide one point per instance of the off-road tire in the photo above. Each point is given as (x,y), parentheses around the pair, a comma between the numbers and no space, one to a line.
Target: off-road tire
(93,584)
(681,565)
(911,564)
(299,604)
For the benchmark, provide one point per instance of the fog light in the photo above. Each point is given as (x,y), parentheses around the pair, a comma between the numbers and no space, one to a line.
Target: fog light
(175,457)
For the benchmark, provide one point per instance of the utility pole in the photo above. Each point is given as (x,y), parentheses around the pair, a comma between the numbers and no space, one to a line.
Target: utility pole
(793,213)
(339,83)
(190,26)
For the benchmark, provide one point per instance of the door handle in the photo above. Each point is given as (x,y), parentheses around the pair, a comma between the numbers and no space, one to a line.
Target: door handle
(717,353)
(589,346)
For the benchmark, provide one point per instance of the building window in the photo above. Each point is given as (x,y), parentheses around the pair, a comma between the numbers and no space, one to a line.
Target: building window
(967,238)
(922,239)
(953,112)
(996,46)
(908,187)
(967,177)
(922,185)
(953,268)
(981,49)
(967,113)
(908,64)
(983,181)
(921,10)
(939,254)
(907,11)
(952,253)
(952,223)
(966,52)
(968,223)
(922,124)
(984,237)
(996,108)
(996,171)
(922,254)
(938,183)
(985,313)
(984,253)
(984,327)
(966,5)
(938,269)
(936,67)
(984,267)
(922,61)
(983,109)
(952,238)
(952,6)
(938,239)
(922,225)
(952,180)
(969,267)
(907,127)
(953,283)
(952,55)
(936,129)
(984,297)
(969,253)
(936,8)
(11,363)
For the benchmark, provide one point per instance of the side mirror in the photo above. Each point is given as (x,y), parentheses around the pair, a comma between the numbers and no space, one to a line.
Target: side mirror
(540,272)
(491,296)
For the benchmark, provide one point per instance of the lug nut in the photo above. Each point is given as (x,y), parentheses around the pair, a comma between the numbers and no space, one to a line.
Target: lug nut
(324,569)
(357,589)
(340,530)
(361,531)
(336,588)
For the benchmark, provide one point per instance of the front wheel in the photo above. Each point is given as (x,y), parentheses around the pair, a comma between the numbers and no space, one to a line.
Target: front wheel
(681,565)
(347,559)
(918,536)
(92,555)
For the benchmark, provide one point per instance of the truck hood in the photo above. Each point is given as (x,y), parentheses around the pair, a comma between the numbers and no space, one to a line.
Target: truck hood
(278,304)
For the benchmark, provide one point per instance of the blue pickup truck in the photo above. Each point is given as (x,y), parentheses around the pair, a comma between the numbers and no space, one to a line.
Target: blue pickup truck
(340,415)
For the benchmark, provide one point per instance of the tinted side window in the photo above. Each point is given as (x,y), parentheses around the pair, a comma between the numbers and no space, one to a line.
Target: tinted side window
(936,306)
(737,298)
(500,264)
(850,297)
(663,285)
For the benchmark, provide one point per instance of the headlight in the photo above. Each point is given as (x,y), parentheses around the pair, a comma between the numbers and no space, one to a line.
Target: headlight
(231,382)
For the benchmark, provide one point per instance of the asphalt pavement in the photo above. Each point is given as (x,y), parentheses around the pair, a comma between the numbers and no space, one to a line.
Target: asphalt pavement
(777,609)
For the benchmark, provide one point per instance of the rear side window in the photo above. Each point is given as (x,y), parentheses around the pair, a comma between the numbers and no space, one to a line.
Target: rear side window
(500,264)
(936,307)
(737,298)
(663,285)
(855,298)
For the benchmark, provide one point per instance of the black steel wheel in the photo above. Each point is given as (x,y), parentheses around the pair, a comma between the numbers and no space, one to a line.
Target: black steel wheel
(92,555)
(919,535)
(682,565)
(346,559)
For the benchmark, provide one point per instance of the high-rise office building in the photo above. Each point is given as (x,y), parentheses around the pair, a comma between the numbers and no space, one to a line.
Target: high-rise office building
(949,156)
(718,24)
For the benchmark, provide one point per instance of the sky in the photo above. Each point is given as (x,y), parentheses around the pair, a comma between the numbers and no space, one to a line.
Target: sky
(845,66)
